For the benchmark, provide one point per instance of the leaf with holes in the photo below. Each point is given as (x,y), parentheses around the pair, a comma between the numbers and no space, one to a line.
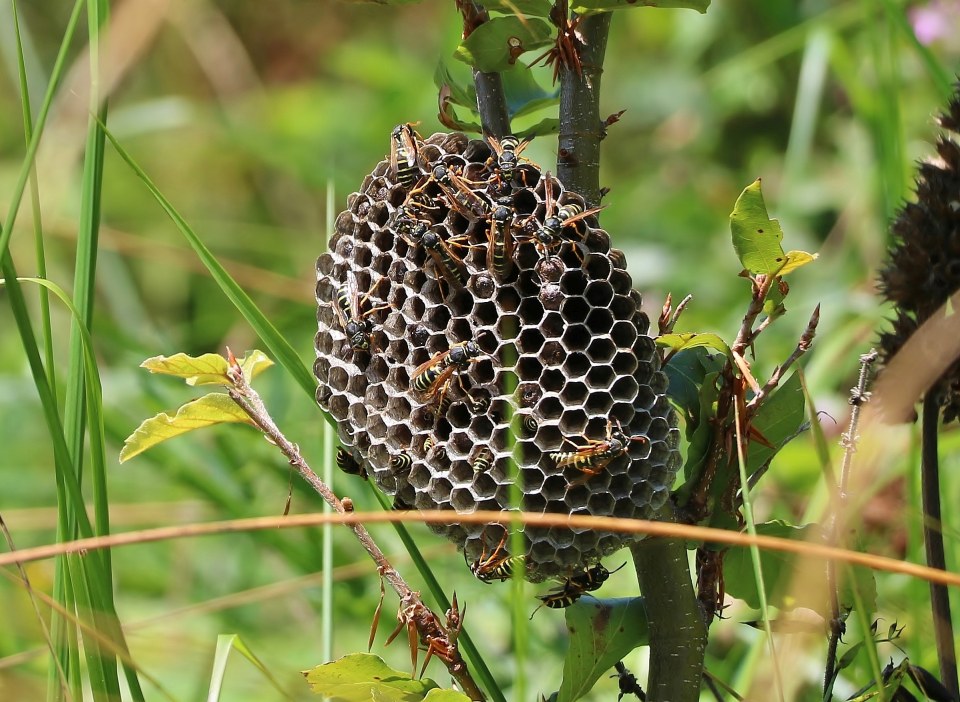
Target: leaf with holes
(602,632)
(496,44)
(757,238)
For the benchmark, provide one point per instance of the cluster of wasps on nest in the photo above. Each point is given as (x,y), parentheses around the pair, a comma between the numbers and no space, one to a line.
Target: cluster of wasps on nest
(489,198)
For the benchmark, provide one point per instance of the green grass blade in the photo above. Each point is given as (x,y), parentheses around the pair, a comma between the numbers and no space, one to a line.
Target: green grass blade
(227,643)
(35,205)
(55,75)
(279,348)
(89,576)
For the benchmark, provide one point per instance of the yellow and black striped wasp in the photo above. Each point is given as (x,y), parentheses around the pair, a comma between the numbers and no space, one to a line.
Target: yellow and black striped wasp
(450,265)
(356,325)
(404,154)
(459,195)
(574,587)
(594,457)
(500,242)
(507,151)
(483,461)
(549,234)
(431,380)
(495,565)
(348,464)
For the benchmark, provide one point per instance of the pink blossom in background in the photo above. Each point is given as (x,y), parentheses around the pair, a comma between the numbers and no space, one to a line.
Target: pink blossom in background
(936,20)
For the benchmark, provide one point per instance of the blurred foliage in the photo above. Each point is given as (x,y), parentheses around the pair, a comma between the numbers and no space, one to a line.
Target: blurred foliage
(244,114)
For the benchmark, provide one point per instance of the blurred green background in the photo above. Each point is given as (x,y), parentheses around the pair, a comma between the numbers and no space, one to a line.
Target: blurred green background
(248,115)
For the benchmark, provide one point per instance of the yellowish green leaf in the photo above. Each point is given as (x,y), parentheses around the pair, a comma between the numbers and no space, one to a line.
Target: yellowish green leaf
(215,408)
(254,363)
(360,677)
(796,259)
(208,369)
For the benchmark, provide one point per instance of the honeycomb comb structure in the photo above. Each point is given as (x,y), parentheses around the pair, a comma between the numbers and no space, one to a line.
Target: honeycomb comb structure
(562,356)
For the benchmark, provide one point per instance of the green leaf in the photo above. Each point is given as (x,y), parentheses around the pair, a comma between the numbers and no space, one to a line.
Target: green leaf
(496,44)
(524,94)
(361,677)
(756,237)
(691,340)
(461,93)
(778,419)
(779,568)
(602,632)
(686,371)
(698,435)
(215,408)
(439,695)
(591,7)
(537,8)
(550,125)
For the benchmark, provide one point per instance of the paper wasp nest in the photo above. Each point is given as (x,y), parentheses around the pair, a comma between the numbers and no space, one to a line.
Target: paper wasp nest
(564,348)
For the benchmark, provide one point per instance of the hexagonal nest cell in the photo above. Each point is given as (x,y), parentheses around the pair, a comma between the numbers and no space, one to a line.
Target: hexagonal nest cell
(480,343)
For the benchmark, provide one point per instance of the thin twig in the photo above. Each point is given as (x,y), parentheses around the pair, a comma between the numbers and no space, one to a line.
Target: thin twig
(669,316)
(803,345)
(933,541)
(746,336)
(64,685)
(858,397)
(413,613)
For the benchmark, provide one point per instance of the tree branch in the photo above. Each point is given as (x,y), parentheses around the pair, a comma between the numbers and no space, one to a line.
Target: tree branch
(678,635)
(491,100)
(581,129)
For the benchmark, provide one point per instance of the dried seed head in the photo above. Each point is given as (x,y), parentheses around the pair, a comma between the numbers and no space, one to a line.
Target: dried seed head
(923,266)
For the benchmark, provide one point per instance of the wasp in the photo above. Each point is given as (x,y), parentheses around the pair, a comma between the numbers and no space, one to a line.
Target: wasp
(592,578)
(530,424)
(431,444)
(500,241)
(594,457)
(459,195)
(549,234)
(403,154)
(355,325)
(495,565)
(483,461)
(348,464)
(432,379)
(507,151)
(479,404)
(401,462)
(575,587)
(450,265)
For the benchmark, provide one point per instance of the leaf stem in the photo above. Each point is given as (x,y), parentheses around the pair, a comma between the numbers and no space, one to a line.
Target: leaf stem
(933,541)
